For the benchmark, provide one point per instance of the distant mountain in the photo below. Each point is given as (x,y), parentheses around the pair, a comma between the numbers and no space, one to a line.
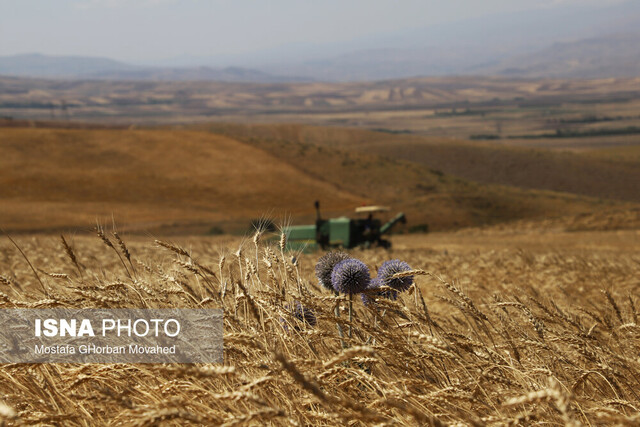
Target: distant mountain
(614,55)
(610,56)
(78,67)
(228,74)
(37,65)
(383,64)
(570,40)
(489,45)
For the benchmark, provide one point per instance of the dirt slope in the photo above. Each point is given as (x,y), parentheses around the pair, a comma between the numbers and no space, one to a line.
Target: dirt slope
(577,173)
(60,178)
(188,181)
(348,158)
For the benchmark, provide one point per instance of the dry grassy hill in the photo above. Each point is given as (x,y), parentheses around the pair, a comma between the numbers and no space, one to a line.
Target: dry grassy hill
(352,158)
(613,174)
(56,178)
(193,180)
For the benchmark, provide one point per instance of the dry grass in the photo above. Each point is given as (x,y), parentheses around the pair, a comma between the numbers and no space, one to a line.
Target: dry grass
(61,179)
(494,335)
(606,173)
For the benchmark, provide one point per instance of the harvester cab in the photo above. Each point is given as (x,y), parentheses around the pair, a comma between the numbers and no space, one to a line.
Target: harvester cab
(365,231)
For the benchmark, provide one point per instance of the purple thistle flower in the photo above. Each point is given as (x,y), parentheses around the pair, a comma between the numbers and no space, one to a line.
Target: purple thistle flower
(300,313)
(350,276)
(388,269)
(305,315)
(325,265)
(372,293)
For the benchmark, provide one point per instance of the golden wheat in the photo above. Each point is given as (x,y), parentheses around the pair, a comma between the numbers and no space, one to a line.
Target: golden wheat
(493,337)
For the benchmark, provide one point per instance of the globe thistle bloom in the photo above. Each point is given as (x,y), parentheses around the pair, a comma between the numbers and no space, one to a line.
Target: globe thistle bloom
(373,292)
(350,276)
(388,269)
(300,313)
(305,315)
(325,265)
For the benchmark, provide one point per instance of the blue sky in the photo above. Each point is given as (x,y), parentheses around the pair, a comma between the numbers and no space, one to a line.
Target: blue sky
(147,30)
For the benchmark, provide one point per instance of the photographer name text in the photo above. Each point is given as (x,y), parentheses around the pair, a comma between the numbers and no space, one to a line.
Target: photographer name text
(107,349)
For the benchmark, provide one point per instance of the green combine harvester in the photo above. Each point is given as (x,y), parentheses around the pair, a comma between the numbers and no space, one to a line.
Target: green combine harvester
(343,232)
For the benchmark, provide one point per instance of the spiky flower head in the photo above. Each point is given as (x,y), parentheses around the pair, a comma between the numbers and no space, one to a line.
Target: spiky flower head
(373,291)
(388,269)
(350,276)
(303,314)
(325,265)
(300,313)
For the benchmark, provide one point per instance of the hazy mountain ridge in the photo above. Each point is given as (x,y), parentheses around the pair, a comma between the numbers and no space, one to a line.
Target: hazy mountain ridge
(489,45)
(227,74)
(610,56)
(38,65)
(79,67)
(556,42)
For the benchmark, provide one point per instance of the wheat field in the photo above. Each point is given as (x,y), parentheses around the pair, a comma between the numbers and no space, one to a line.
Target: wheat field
(536,329)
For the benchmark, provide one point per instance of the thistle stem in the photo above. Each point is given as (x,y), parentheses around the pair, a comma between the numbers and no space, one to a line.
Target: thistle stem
(350,313)
(340,332)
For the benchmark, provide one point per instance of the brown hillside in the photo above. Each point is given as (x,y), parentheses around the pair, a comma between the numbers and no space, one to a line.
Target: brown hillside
(426,194)
(191,180)
(55,178)
(526,168)
(602,177)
